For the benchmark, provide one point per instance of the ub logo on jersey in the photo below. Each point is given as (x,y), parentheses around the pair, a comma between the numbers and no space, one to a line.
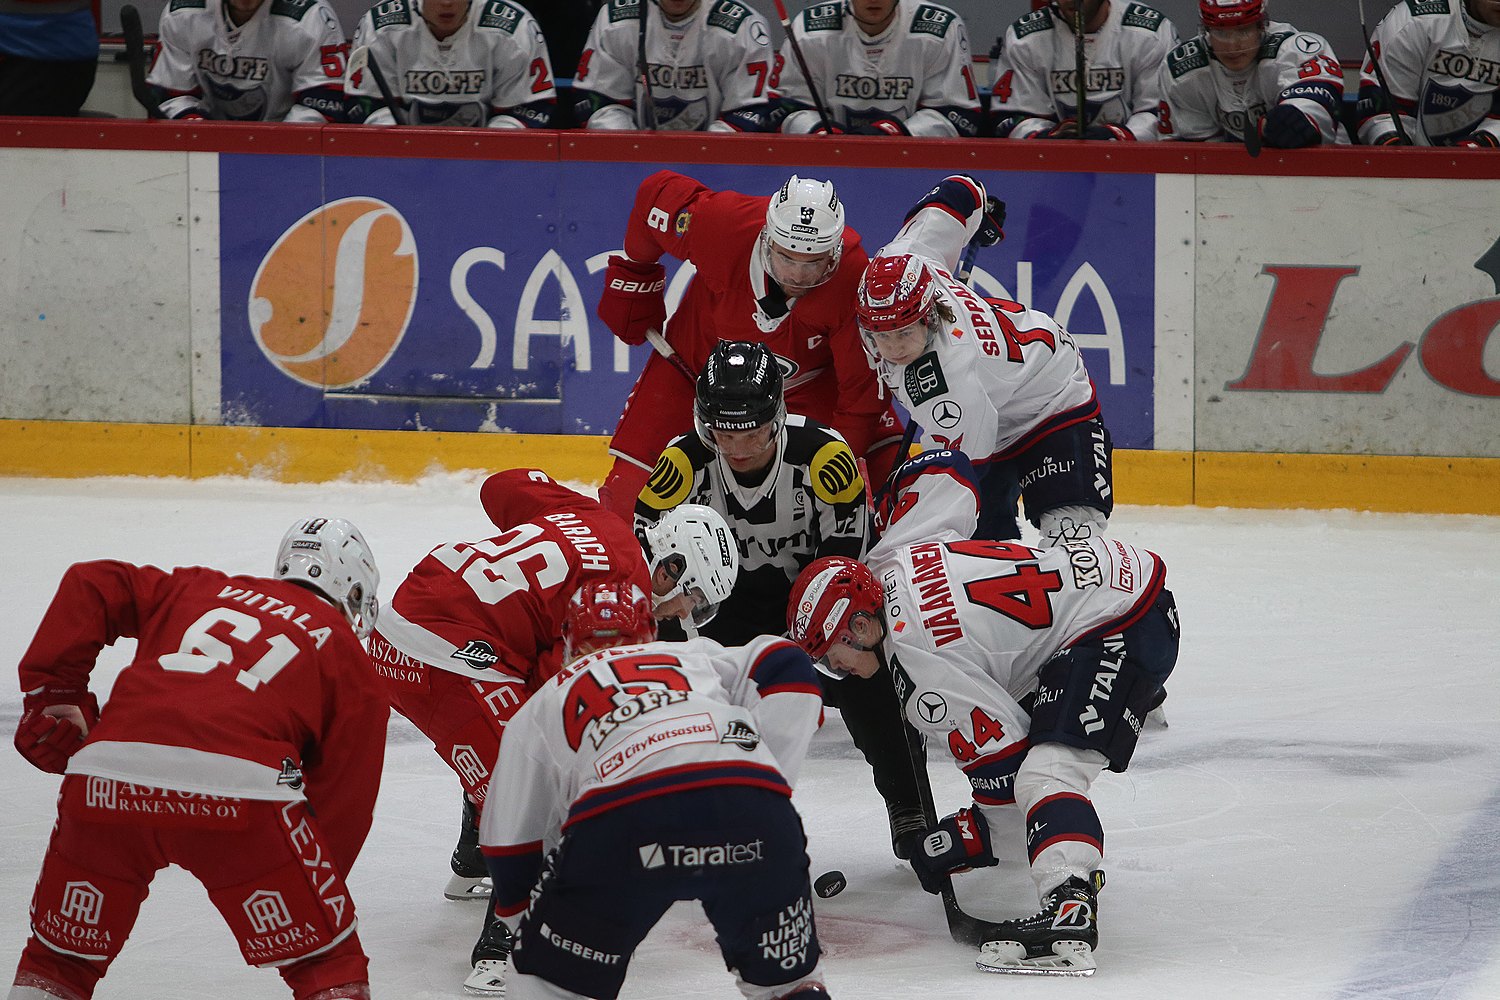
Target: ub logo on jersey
(924,379)
(332,298)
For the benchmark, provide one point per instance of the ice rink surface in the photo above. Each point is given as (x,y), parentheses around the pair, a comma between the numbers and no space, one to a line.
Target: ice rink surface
(1321,821)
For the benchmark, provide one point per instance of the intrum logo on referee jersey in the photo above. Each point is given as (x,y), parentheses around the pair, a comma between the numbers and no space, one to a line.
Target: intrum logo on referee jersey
(332,298)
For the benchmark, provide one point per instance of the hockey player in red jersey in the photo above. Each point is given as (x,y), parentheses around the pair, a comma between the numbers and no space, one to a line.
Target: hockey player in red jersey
(475,628)
(655,772)
(243,743)
(780,271)
(1036,668)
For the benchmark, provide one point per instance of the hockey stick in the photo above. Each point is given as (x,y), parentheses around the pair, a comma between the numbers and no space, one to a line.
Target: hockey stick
(362,59)
(1390,101)
(135,60)
(647,109)
(812,88)
(961,926)
(1252,134)
(666,350)
(1080,68)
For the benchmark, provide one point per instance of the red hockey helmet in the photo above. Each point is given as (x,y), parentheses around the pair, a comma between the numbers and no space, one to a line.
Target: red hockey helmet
(601,615)
(1231,13)
(894,292)
(828,594)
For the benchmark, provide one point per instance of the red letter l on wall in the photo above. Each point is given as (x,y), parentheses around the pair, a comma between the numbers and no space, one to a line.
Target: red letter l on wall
(1283,357)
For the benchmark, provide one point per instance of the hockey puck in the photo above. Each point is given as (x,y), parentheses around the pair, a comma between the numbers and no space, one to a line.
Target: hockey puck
(829,884)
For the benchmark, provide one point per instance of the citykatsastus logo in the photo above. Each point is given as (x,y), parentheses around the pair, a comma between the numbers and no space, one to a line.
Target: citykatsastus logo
(332,298)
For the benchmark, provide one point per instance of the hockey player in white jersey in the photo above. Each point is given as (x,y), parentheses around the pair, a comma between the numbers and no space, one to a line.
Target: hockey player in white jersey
(466,63)
(881,67)
(1035,91)
(646,773)
(709,63)
(250,60)
(1036,668)
(994,379)
(1246,73)
(1441,59)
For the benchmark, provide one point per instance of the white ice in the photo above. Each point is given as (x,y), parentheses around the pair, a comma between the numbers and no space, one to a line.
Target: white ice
(1320,821)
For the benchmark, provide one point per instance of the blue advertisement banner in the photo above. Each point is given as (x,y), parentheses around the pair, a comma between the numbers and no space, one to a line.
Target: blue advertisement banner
(458,295)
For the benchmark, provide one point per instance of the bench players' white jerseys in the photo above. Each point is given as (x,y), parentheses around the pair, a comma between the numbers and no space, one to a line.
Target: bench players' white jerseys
(711,71)
(1443,66)
(635,721)
(492,72)
(1203,100)
(286,63)
(991,383)
(916,73)
(1035,88)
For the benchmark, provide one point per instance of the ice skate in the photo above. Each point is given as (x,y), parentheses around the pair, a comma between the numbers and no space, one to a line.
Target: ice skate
(491,958)
(470,880)
(1057,941)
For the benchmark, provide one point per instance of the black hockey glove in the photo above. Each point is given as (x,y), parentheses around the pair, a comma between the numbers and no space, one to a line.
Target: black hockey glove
(881,126)
(1391,138)
(992,226)
(1284,127)
(1109,133)
(958,843)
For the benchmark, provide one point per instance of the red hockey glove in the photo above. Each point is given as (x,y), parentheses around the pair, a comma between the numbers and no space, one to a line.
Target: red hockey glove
(634,298)
(825,127)
(958,843)
(47,741)
(881,126)
(1065,129)
(1285,127)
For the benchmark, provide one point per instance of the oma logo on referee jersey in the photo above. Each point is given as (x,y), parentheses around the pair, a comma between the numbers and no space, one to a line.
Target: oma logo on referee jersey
(332,299)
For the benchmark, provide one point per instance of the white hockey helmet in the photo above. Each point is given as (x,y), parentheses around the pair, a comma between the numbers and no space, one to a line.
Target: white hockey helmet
(806,217)
(699,553)
(331,556)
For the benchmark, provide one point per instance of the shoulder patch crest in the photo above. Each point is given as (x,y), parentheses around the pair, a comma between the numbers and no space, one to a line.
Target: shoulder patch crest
(823,17)
(834,474)
(1138,15)
(1420,7)
(728,15)
(670,482)
(391,12)
(1037,20)
(1188,56)
(624,10)
(294,9)
(930,19)
(501,14)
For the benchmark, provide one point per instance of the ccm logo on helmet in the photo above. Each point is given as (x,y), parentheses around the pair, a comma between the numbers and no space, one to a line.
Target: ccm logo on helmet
(332,298)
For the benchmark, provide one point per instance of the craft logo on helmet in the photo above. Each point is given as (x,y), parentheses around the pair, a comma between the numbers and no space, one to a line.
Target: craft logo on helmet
(332,298)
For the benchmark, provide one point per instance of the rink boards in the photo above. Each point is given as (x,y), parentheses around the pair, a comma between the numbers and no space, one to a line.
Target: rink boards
(1287,331)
